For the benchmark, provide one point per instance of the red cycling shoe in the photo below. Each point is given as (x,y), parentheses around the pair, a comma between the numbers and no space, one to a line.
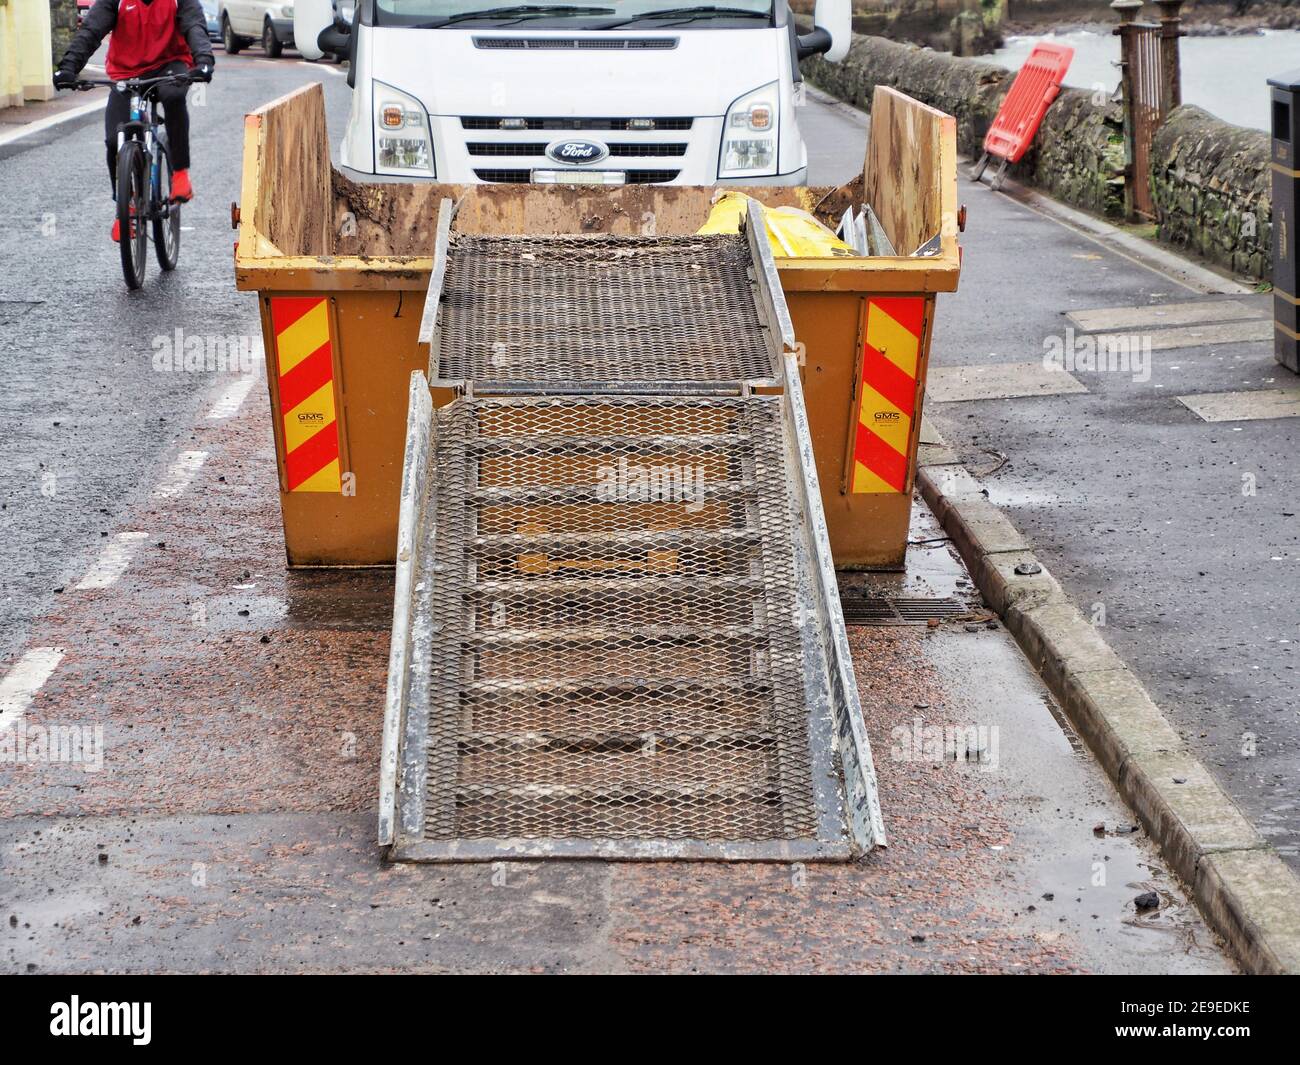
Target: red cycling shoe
(117,229)
(182,190)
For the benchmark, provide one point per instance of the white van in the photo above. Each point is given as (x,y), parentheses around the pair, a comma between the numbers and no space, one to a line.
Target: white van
(606,92)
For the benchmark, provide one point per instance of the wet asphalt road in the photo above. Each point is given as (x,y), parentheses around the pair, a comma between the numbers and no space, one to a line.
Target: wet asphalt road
(230,832)
(1180,536)
(86,417)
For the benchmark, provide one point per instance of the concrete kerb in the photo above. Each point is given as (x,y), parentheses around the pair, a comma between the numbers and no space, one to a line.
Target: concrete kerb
(1248,895)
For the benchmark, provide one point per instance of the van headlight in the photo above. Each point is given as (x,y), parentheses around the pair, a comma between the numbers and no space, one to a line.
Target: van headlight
(403,142)
(749,135)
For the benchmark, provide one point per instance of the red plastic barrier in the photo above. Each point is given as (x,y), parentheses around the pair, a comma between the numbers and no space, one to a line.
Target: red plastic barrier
(1032,93)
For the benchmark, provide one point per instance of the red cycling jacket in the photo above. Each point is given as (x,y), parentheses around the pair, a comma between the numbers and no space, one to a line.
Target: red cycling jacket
(145,36)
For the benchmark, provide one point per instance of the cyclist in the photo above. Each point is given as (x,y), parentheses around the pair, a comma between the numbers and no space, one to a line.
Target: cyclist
(150,39)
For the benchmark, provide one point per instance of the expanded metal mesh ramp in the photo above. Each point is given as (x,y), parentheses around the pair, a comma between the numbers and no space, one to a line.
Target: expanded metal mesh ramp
(616,631)
(588,312)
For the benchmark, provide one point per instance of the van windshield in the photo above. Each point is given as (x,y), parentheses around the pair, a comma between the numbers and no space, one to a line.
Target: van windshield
(595,15)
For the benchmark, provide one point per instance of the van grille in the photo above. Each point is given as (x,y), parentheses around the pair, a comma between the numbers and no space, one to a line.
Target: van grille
(594,44)
(616,125)
(522,177)
(616,151)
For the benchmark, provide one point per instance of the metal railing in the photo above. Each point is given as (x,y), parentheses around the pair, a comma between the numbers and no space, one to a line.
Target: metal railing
(1151,87)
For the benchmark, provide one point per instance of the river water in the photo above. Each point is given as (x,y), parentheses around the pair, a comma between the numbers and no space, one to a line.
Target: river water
(1228,76)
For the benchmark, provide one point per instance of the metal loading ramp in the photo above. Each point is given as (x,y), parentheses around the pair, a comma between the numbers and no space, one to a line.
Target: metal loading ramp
(616,631)
(588,312)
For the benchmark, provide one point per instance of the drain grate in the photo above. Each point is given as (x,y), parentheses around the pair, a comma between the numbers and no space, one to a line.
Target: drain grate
(864,610)
(594,310)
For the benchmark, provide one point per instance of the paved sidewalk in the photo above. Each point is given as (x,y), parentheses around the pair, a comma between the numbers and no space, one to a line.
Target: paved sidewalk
(41,121)
(38,123)
(12,118)
(1162,492)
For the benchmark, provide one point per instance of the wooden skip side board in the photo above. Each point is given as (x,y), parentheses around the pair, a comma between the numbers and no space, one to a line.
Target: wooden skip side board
(910,172)
(287,146)
(304,226)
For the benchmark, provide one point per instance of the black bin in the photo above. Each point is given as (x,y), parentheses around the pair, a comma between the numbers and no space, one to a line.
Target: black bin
(1286,206)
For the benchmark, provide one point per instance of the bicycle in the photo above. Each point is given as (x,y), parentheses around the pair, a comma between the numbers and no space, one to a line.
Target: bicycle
(144,178)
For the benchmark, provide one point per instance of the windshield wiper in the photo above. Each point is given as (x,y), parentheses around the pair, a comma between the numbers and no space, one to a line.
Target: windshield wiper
(690,14)
(516,13)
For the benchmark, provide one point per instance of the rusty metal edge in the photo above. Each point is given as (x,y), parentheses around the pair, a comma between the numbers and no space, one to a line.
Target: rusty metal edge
(598,389)
(419,417)
(862,798)
(767,285)
(437,274)
(638,850)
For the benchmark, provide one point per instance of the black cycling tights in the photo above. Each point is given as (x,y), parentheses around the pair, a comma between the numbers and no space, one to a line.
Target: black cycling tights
(176,118)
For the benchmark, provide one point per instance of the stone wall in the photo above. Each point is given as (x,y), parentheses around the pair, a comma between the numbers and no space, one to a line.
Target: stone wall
(1210,179)
(1212,188)
(1078,155)
(63,24)
(923,21)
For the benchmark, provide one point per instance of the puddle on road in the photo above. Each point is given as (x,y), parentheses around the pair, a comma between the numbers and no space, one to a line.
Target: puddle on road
(351,600)
(933,570)
(1063,879)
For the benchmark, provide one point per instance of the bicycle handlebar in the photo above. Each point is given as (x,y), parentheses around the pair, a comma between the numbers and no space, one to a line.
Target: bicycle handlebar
(141,85)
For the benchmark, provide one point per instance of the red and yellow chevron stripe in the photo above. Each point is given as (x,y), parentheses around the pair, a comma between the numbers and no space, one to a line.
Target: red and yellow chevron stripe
(890,358)
(305,368)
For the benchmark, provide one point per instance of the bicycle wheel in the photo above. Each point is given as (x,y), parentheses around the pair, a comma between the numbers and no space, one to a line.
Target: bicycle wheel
(167,223)
(132,202)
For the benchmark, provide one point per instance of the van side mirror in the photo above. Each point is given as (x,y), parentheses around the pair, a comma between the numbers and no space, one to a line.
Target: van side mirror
(833,32)
(335,38)
(310,17)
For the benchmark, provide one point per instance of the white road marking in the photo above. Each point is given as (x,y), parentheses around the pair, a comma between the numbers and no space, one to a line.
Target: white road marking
(112,561)
(179,474)
(1157,315)
(1004,380)
(232,397)
(51,121)
(1248,406)
(1247,331)
(24,680)
(321,66)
